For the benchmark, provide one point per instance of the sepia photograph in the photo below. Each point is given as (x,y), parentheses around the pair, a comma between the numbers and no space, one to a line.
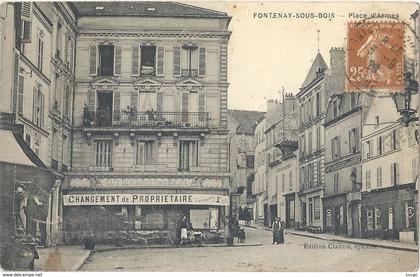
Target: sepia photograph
(209,136)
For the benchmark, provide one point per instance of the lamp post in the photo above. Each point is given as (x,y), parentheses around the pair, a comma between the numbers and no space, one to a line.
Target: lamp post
(403,102)
(229,240)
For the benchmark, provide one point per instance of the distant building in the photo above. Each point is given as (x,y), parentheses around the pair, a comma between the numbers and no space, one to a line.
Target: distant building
(241,125)
(259,188)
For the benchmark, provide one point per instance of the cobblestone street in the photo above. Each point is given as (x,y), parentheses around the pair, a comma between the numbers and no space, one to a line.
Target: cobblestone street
(297,254)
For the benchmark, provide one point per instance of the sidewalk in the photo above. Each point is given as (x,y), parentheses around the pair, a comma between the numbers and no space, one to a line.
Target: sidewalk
(395,245)
(61,258)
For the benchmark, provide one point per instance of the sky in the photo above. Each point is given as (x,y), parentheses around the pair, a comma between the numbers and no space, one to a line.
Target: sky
(270,53)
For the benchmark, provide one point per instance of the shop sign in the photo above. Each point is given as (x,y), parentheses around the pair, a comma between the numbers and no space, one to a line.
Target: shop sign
(344,163)
(144,199)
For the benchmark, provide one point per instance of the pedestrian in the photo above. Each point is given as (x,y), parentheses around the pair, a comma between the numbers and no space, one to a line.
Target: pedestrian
(281,232)
(275,230)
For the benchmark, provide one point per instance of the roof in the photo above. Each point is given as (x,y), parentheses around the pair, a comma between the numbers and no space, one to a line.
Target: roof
(319,63)
(247,119)
(144,8)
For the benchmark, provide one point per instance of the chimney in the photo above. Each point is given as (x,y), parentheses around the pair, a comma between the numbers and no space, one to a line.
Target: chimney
(336,78)
(290,103)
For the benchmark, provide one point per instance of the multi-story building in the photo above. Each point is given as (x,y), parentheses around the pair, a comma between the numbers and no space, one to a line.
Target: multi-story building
(390,162)
(288,166)
(259,186)
(343,129)
(150,135)
(241,125)
(320,83)
(36,95)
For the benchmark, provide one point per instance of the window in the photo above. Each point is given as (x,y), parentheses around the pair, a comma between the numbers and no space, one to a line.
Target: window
(376,121)
(310,142)
(319,176)
(148,60)
(318,138)
(146,152)
(335,148)
(395,142)
(290,180)
(147,101)
(66,100)
(318,104)
(21,87)
(368,180)
(103,152)
(414,169)
(395,174)
(335,108)
(335,182)
(310,174)
(368,149)
(283,183)
(54,149)
(353,140)
(106,60)
(153,218)
(38,107)
(189,61)
(40,51)
(188,155)
(353,100)
(379,177)
(26,17)
(379,146)
(317,208)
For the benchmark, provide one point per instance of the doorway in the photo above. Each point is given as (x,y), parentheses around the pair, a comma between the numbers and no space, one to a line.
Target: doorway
(303,214)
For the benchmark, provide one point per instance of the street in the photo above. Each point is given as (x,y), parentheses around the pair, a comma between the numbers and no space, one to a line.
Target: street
(297,254)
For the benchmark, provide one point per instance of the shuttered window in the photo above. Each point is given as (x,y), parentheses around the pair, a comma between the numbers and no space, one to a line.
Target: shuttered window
(91,100)
(379,177)
(134,99)
(26,17)
(202,106)
(21,85)
(159,105)
(117,63)
(66,109)
(135,56)
(160,61)
(103,153)
(92,64)
(188,155)
(116,106)
(368,180)
(177,61)
(395,174)
(202,61)
(146,152)
(184,106)
(40,53)
(38,107)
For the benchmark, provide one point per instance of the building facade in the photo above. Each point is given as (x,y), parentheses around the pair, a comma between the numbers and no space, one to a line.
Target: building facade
(150,139)
(259,186)
(343,180)
(389,173)
(241,125)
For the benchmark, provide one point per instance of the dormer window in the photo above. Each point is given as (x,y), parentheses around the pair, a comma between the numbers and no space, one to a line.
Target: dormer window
(335,108)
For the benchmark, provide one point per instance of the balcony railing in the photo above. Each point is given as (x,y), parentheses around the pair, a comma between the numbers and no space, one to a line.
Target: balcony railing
(189,72)
(148,119)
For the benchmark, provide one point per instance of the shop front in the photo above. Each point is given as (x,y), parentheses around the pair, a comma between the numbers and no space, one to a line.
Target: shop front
(290,210)
(144,215)
(335,214)
(390,213)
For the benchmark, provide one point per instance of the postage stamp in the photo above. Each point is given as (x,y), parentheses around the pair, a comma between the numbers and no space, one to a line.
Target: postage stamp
(375,56)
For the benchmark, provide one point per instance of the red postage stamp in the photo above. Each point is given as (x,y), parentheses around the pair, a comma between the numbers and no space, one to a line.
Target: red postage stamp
(375,56)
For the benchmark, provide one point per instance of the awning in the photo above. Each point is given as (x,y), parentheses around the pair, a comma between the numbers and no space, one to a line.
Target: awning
(10,150)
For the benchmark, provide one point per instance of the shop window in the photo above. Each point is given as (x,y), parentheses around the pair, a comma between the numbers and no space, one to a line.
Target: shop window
(153,218)
(214,218)
(148,60)
(317,208)
(199,218)
(370,220)
(137,217)
(103,153)
(146,152)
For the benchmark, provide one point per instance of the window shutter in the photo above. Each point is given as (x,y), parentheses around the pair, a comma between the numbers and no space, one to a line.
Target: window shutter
(397,173)
(91,100)
(71,54)
(159,100)
(135,60)
(134,99)
(356,139)
(116,106)
(350,142)
(177,61)
(117,62)
(140,152)
(202,106)
(66,47)
(42,109)
(339,146)
(160,61)
(26,10)
(184,106)
(34,104)
(332,149)
(92,54)
(397,138)
(20,94)
(202,61)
